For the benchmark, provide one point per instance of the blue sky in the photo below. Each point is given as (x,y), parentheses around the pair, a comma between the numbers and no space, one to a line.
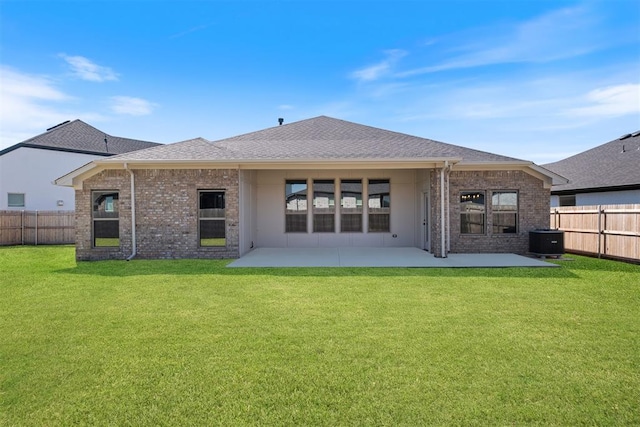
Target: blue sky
(538,80)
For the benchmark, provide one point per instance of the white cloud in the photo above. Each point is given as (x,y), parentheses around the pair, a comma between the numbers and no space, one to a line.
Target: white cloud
(285,107)
(85,69)
(27,105)
(14,83)
(131,106)
(376,71)
(609,101)
(560,34)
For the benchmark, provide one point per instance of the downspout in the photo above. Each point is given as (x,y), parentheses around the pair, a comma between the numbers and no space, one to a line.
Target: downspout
(443,248)
(448,209)
(133,215)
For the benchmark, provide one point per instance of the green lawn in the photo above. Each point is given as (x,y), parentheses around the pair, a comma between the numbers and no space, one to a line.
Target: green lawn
(193,343)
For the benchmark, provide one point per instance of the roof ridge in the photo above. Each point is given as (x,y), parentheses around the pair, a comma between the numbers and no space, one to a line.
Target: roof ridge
(80,137)
(51,129)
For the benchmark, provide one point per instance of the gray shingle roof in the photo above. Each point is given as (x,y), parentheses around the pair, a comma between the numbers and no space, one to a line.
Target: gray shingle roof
(604,167)
(319,138)
(78,137)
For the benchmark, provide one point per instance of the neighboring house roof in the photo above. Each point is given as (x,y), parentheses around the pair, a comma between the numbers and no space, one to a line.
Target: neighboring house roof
(614,165)
(78,137)
(318,142)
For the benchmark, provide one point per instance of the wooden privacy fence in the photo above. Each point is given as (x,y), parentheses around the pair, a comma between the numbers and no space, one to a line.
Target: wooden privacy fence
(603,230)
(37,227)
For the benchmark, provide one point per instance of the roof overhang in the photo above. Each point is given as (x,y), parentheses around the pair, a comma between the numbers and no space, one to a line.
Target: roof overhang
(75,178)
(582,190)
(548,177)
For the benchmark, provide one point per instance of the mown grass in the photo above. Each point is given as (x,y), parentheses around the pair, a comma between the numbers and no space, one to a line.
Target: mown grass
(190,342)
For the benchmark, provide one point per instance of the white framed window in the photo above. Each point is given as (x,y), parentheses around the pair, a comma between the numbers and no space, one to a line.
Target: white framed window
(15,200)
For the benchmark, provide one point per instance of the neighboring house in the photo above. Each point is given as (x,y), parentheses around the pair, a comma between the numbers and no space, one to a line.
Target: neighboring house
(320,182)
(27,169)
(605,175)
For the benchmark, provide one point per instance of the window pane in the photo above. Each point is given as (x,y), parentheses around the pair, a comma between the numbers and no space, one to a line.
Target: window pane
(296,206)
(212,218)
(105,204)
(472,223)
(504,223)
(472,212)
(505,201)
(351,205)
(324,206)
(569,200)
(351,223)
(379,205)
(379,198)
(505,212)
(296,223)
(15,200)
(212,233)
(324,223)
(106,233)
(379,223)
(212,204)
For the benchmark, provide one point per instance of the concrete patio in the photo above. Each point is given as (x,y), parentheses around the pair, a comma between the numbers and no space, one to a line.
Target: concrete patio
(377,257)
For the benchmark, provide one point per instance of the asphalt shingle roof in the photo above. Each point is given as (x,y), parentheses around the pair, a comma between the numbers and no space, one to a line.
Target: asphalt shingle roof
(319,138)
(613,164)
(77,136)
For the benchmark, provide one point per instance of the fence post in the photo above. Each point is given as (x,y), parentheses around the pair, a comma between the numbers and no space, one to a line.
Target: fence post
(600,235)
(36,237)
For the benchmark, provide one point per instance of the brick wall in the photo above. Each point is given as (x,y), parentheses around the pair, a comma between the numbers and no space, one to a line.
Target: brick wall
(166,213)
(533,200)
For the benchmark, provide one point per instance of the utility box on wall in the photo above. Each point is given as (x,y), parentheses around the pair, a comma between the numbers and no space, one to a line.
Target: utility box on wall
(546,242)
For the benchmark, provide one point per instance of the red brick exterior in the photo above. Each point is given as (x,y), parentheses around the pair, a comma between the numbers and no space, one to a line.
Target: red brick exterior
(166,213)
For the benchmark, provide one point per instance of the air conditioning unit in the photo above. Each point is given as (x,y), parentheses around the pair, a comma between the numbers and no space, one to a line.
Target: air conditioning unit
(546,242)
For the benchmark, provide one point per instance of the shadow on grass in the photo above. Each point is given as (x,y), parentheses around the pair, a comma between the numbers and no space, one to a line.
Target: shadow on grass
(218,267)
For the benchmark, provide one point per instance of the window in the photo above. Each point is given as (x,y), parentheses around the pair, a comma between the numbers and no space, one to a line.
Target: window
(569,200)
(106,219)
(379,205)
(296,206)
(504,205)
(472,210)
(15,200)
(351,205)
(211,216)
(324,206)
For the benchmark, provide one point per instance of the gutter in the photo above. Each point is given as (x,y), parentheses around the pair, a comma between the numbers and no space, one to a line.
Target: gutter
(134,250)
